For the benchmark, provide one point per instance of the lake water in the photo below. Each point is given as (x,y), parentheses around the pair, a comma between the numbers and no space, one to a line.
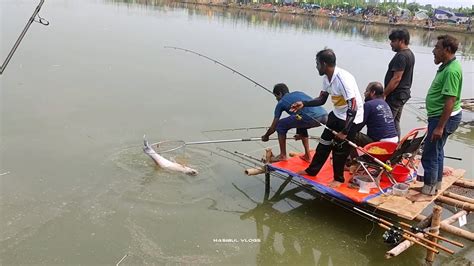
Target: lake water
(78,96)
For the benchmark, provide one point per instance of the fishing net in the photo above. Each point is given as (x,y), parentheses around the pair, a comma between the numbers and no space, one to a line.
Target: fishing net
(173,147)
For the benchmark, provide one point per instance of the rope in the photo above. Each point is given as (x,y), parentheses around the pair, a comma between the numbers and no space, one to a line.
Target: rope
(435,227)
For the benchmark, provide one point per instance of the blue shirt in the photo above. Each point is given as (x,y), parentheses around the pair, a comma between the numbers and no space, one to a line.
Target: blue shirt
(308,113)
(379,120)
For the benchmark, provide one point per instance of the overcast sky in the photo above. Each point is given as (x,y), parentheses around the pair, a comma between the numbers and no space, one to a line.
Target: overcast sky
(448,3)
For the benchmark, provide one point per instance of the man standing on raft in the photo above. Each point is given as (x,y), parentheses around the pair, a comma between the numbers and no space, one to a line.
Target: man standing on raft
(346,118)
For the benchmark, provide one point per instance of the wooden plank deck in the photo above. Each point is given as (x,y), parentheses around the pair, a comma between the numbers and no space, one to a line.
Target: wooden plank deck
(414,203)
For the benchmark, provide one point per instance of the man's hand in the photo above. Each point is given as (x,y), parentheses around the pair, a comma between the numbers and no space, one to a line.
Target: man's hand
(265,138)
(341,136)
(296,106)
(437,133)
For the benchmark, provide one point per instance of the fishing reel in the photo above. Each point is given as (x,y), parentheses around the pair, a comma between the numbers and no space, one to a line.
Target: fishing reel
(392,236)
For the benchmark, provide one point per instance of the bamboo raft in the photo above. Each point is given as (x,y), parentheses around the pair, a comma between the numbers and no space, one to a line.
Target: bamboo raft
(408,208)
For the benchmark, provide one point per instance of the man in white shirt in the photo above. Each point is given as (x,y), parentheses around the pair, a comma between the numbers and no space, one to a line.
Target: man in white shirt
(346,117)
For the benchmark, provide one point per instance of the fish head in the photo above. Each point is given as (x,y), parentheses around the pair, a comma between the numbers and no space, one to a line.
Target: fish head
(190,171)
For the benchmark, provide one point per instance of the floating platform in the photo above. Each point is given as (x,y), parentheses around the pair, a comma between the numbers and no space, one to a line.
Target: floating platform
(414,203)
(407,207)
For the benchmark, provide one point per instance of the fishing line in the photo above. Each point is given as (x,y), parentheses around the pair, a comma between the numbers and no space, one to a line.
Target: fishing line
(239,73)
(18,41)
(386,166)
(219,63)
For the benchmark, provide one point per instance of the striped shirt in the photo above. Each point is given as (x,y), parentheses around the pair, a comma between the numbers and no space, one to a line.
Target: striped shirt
(341,88)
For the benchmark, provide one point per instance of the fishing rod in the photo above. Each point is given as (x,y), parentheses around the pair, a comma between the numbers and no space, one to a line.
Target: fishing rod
(224,141)
(246,158)
(18,41)
(392,230)
(219,63)
(413,228)
(355,209)
(233,140)
(419,230)
(391,227)
(381,222)
(386,166)
(453,158)
(410,238)
(233,129)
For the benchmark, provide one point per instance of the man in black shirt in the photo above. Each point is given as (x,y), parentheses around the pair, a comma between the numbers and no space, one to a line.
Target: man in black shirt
(399,75)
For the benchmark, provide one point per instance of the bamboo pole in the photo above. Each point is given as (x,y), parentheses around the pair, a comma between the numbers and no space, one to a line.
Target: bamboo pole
(435,225)
(400,248)
(437,236)
(268,155)
(464,183)
(424,221)
(458,197)
(456,203)
(254,171)
(451,229)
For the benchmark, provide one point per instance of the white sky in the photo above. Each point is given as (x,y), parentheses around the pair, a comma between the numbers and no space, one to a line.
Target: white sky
(448,3)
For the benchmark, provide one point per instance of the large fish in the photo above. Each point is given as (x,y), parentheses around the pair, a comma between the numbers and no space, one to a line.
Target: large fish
(165,163)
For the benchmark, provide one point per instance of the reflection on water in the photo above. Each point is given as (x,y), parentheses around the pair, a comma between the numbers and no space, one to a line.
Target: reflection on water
(307,24)
(293,225)
(343,28)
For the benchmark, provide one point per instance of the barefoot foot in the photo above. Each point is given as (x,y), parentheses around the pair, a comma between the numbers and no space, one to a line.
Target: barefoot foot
(335,184)
(302,172)
(278,158)
(305,158)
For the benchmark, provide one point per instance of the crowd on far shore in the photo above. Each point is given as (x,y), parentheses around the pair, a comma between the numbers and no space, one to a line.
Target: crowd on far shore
(367,15)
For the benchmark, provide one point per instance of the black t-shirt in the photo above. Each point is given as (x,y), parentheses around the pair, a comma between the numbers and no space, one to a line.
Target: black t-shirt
(403,60)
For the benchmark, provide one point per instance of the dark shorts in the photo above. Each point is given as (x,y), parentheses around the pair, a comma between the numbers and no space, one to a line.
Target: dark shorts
(301,125)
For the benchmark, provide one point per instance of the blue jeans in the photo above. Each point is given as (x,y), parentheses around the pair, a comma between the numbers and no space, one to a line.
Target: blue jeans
(433,151)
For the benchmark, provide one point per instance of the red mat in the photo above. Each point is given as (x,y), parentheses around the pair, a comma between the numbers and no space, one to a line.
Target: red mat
(324,177)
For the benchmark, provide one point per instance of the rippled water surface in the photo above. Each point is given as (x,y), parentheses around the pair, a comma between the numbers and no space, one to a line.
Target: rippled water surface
(78,96)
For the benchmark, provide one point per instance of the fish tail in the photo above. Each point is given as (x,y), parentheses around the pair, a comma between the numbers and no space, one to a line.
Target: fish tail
(145,142)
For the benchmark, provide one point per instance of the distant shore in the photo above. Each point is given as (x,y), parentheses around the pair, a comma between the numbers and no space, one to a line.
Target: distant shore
(378,20)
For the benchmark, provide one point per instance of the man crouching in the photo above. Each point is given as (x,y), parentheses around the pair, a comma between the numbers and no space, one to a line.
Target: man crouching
(306,118)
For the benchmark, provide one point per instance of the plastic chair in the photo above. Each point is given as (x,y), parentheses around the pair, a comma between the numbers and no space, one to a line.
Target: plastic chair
(405,154)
